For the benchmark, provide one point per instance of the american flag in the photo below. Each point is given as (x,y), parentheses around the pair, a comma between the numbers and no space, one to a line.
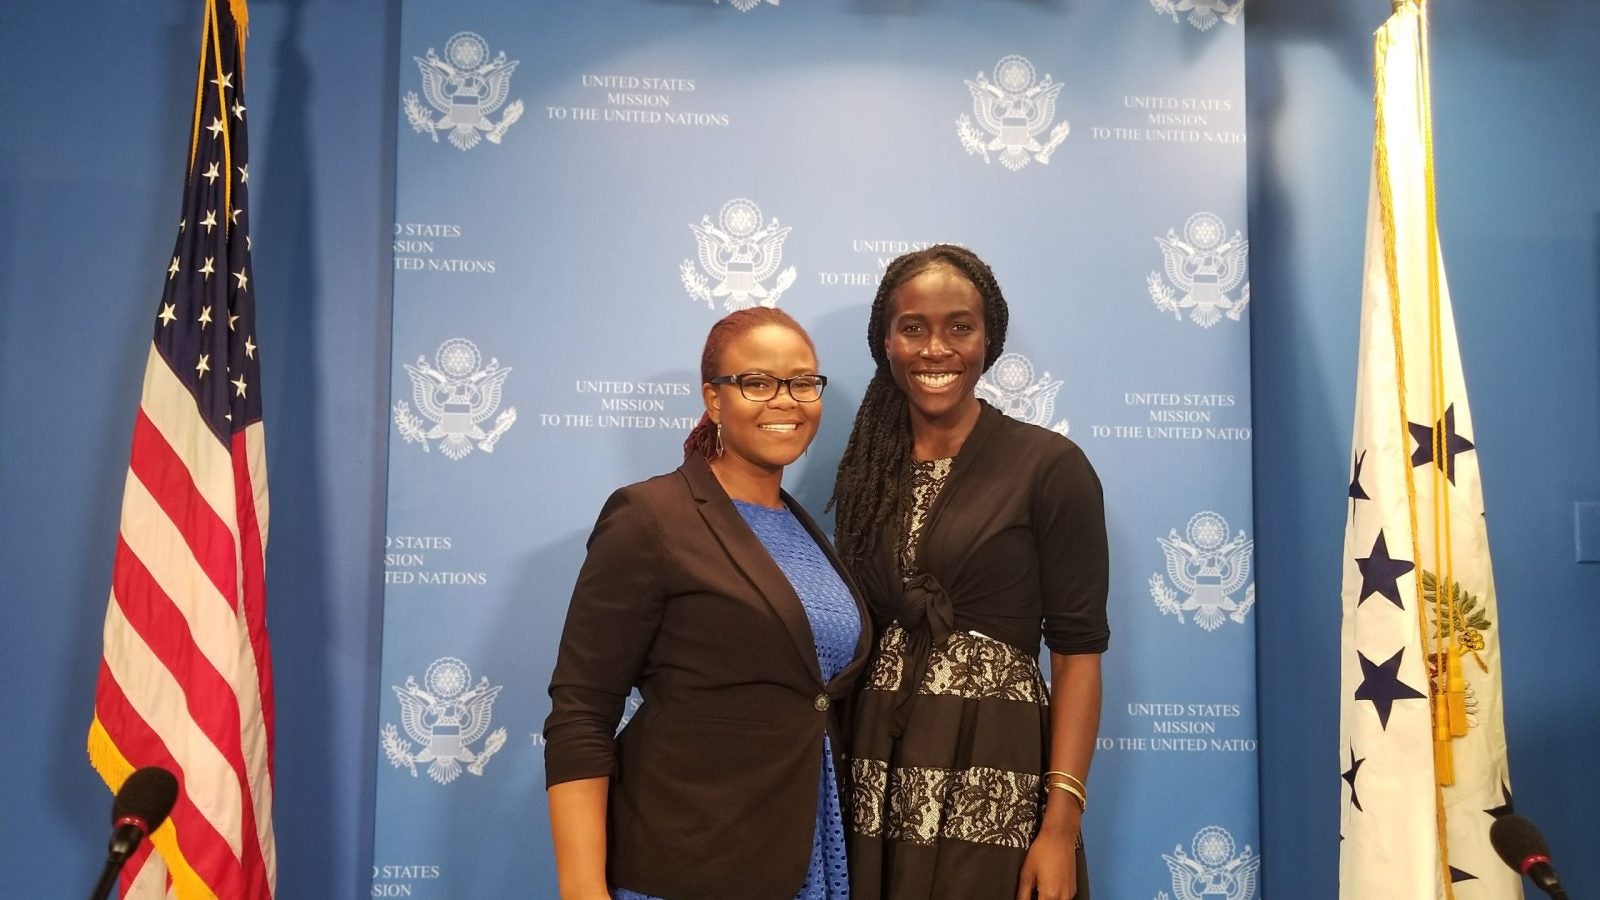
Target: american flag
(1422,747)
(185,678)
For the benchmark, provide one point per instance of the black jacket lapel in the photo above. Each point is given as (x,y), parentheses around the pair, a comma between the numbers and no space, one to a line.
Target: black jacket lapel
(746,551)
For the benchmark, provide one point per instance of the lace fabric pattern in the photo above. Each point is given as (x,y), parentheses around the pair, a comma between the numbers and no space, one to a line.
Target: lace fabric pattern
(982,668)
(927,480)
(921,805)
(888,671)
(966,665)
(980,804)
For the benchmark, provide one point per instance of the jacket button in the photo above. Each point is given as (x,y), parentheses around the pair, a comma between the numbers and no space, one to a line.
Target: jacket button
(821,703)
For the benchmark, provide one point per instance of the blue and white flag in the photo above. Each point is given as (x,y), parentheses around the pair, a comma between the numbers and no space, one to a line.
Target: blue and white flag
(1422,746)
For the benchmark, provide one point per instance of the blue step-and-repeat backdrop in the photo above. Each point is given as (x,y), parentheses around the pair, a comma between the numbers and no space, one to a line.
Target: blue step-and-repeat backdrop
(584,187)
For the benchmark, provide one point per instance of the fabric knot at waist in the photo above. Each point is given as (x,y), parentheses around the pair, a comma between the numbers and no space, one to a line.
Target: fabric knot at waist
(925,611)
(924,608)
(928,616)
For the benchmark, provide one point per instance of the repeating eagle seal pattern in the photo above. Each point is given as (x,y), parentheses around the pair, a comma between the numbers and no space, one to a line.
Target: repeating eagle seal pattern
(467,86)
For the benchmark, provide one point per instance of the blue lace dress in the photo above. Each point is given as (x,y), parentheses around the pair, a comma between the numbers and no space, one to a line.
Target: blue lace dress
(835,628)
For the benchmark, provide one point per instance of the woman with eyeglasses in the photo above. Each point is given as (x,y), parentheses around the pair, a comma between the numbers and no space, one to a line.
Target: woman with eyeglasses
(711,591)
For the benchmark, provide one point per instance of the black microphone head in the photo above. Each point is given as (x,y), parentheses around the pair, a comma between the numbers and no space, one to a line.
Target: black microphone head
(149,794)
(1515,839)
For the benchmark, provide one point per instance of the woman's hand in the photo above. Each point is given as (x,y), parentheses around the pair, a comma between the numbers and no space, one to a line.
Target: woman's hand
(1050,871)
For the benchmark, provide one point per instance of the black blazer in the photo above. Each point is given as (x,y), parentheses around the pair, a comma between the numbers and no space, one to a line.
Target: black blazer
(714,780)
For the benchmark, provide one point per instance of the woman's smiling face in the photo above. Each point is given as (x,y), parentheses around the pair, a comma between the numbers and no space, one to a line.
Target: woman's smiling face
(767,434)
(935,342)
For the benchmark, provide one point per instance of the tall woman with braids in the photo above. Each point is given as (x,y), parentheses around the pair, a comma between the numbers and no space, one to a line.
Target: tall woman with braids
(973,536)
(711,591)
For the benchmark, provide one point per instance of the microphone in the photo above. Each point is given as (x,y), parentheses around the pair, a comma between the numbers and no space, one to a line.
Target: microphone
(1524,849)
(143,803)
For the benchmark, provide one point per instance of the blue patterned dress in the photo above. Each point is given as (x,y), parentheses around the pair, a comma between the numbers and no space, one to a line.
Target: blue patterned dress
(835,628)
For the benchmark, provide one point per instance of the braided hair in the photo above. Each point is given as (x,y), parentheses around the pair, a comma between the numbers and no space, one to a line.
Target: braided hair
(871,484)
(702,440)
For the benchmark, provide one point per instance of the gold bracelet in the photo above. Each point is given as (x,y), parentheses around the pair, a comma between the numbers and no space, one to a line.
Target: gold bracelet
(1070,777)
(1083,802)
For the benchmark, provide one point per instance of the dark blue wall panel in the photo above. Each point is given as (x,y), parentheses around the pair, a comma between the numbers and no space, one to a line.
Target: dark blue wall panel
(93,140)
(1517,118)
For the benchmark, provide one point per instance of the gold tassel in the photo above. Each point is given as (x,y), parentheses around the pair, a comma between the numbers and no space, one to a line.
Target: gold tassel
(241,22)
(1444,767)
(1455,692)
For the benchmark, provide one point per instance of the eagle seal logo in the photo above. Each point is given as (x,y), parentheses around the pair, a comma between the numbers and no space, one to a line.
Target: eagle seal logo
(1014,109)
(1213,871)
(1208,567)
(456,393)
(1010,387)
(443,720)
(467,87)
(1205,264)
(740,252)
(1203,14)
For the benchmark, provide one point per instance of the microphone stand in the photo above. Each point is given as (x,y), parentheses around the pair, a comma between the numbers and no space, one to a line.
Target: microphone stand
(108,876)
(130,832)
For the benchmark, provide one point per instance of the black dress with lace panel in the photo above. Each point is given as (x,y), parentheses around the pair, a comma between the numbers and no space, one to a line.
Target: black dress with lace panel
(1003,545)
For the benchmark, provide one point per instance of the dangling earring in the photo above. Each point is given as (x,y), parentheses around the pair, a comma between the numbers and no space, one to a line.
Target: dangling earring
(719,438)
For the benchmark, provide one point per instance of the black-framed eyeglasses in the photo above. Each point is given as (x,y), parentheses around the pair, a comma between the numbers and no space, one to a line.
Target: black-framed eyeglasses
(761,387)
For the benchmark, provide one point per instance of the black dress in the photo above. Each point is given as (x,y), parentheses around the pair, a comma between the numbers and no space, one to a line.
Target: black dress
(1004,544)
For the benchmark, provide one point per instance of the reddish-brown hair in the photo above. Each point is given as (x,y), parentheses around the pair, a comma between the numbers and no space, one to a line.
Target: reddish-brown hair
(702,440)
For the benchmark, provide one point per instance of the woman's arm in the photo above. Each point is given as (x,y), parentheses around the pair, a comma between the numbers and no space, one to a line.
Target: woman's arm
(1070,527)
(578,829)
(1051,866)
(616,607)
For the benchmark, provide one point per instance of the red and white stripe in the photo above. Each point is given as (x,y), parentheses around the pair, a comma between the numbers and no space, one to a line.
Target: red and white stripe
(185,681)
